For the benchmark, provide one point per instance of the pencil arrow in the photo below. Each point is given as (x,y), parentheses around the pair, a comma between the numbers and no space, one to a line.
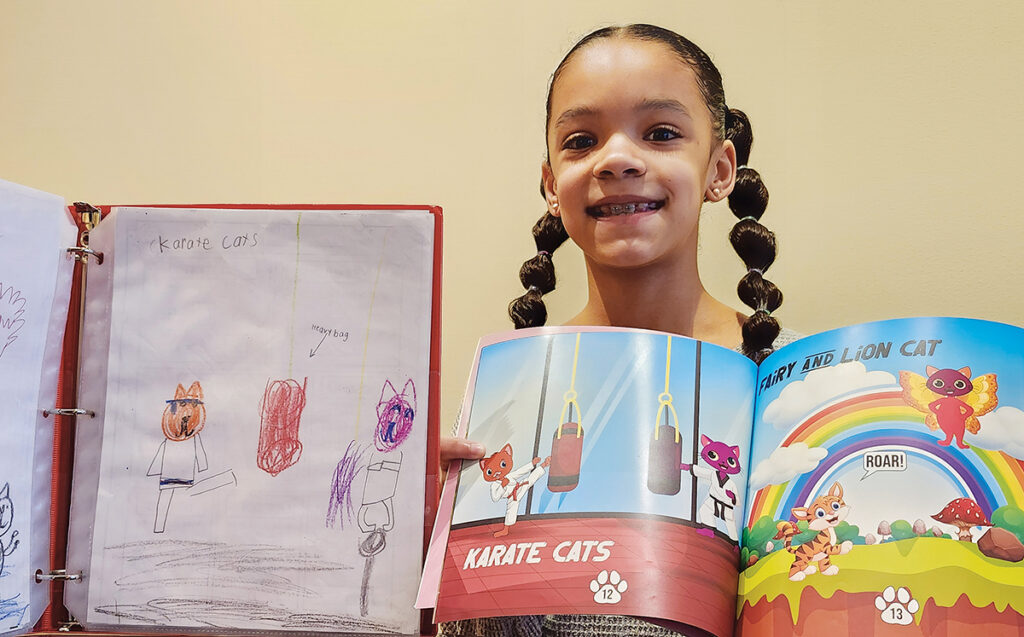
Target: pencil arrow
(313,351)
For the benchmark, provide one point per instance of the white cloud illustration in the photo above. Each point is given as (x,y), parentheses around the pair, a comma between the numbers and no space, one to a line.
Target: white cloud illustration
(800,397)
(785,463)
(1001,430)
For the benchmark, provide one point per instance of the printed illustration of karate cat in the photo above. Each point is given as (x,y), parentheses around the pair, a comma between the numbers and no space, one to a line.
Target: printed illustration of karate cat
(508,483)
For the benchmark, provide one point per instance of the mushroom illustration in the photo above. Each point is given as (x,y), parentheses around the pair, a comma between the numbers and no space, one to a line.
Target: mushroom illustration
(963,513)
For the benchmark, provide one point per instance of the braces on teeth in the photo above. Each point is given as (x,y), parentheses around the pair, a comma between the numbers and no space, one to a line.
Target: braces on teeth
(627,208)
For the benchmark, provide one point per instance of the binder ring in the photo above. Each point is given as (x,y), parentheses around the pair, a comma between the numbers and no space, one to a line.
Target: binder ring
(57,575)
(68,412)
(82,254)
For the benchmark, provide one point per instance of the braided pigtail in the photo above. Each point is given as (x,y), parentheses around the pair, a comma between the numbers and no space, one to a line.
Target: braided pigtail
(753,242)
(538,274)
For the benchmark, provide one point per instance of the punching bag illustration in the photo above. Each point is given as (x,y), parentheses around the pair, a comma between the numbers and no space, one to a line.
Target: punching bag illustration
(567,442)
(666,449)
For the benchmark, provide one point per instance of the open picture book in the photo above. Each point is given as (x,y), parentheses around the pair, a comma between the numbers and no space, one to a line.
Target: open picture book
(867,480)
(217,418)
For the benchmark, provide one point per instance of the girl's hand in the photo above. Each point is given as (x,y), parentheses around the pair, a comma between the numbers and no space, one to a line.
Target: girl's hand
(459,448)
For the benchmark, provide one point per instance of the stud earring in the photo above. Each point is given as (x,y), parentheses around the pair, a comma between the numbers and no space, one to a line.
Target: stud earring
(717,191)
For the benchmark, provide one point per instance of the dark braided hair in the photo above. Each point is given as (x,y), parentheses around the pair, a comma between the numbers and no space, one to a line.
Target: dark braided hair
(538,273)
(754,243)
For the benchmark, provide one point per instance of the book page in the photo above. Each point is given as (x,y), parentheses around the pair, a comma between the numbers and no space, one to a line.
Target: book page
(262,377)
(887,488)
(35,283)
(614,480)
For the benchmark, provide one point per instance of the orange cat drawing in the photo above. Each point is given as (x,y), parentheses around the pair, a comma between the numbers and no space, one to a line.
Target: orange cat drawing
(824,514)
(508,483)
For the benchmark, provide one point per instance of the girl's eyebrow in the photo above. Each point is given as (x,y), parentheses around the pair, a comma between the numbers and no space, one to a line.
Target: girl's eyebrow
(646,104)
(653,104)
(573,113)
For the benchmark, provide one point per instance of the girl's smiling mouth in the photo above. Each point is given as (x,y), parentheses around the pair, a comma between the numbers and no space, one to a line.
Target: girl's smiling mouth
(624,208)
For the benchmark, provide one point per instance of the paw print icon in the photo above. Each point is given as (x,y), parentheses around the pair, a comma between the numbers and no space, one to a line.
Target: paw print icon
(608,587)
(897,606)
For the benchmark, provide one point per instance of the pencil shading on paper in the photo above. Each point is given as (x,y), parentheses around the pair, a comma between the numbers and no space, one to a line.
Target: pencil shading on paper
(12,307)
(252,570)
(232,614)
(280,413)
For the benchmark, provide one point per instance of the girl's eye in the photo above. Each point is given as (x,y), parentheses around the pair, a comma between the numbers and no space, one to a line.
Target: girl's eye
(662,134)
(578,141)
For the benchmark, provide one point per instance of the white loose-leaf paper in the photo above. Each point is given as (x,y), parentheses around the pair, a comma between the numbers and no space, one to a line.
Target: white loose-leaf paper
(210,335)
(35,284)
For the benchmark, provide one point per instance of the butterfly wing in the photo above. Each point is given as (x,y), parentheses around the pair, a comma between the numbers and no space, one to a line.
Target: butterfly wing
(982,399)
(917,395)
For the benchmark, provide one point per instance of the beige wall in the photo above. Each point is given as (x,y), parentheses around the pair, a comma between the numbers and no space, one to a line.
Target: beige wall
(887,132)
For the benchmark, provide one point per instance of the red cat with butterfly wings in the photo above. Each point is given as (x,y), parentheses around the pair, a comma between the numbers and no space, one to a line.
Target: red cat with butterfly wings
(952,400)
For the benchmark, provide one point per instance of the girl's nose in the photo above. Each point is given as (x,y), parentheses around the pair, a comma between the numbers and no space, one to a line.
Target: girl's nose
(619,158)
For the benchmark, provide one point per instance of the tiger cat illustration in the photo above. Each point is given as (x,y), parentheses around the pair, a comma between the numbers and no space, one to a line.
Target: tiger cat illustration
(824,514)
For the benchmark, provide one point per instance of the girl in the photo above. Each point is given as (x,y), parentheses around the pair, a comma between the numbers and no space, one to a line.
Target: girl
(639,136)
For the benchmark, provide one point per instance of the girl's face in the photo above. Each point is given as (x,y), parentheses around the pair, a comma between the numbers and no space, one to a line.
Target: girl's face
(632,155)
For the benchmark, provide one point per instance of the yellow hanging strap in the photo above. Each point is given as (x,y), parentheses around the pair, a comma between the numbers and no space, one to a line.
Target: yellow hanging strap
(570,396)
(665,399)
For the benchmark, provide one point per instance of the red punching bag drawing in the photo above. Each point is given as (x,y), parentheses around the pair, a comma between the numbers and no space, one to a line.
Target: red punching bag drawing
(567,443)
(280,411)
(666,449)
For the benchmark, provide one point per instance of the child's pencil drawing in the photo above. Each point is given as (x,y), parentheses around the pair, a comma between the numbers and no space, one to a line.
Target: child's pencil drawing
(12,307)
(378,509)
(181,453)
(8,535)
(254,570)
(280,412)
(395,413)
(10,608)
(376,514)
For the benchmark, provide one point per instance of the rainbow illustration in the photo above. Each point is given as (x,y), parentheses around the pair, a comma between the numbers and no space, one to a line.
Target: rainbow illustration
(881,420)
